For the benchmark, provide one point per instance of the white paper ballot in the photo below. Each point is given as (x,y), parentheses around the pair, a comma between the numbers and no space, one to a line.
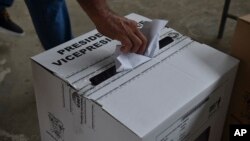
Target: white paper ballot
(128,61)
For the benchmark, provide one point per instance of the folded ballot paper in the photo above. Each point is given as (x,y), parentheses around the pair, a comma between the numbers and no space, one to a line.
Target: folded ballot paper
(129,61)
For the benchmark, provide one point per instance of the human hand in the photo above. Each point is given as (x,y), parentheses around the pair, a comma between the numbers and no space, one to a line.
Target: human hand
(123,30)
(116,27)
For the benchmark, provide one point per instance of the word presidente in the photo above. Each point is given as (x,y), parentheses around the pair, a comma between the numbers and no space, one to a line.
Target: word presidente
(82,51)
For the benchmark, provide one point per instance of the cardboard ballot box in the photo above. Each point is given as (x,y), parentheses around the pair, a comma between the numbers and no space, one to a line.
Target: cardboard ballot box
(181,94)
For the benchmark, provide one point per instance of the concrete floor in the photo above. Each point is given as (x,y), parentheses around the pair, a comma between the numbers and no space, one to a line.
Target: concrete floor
(198,19)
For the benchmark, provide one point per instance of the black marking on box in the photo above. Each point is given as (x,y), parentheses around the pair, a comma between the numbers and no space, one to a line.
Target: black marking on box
(56,128)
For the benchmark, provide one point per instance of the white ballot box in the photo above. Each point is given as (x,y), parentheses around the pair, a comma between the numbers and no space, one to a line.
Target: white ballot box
(181,94)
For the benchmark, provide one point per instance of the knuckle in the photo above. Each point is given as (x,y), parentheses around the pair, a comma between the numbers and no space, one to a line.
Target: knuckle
(140,42)
(128,44)
(133,24)
(137,43)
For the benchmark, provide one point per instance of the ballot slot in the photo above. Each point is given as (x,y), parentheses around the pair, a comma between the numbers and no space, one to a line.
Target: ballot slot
(165,41)
(101,77)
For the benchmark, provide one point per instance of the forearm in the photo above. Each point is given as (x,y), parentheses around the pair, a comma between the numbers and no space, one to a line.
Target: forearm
(95,9)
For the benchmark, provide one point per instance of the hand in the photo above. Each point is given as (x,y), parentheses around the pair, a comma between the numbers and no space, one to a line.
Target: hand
(123,30)
(111,25)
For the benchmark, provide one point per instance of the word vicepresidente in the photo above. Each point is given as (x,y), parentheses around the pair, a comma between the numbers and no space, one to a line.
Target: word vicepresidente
(75,54)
